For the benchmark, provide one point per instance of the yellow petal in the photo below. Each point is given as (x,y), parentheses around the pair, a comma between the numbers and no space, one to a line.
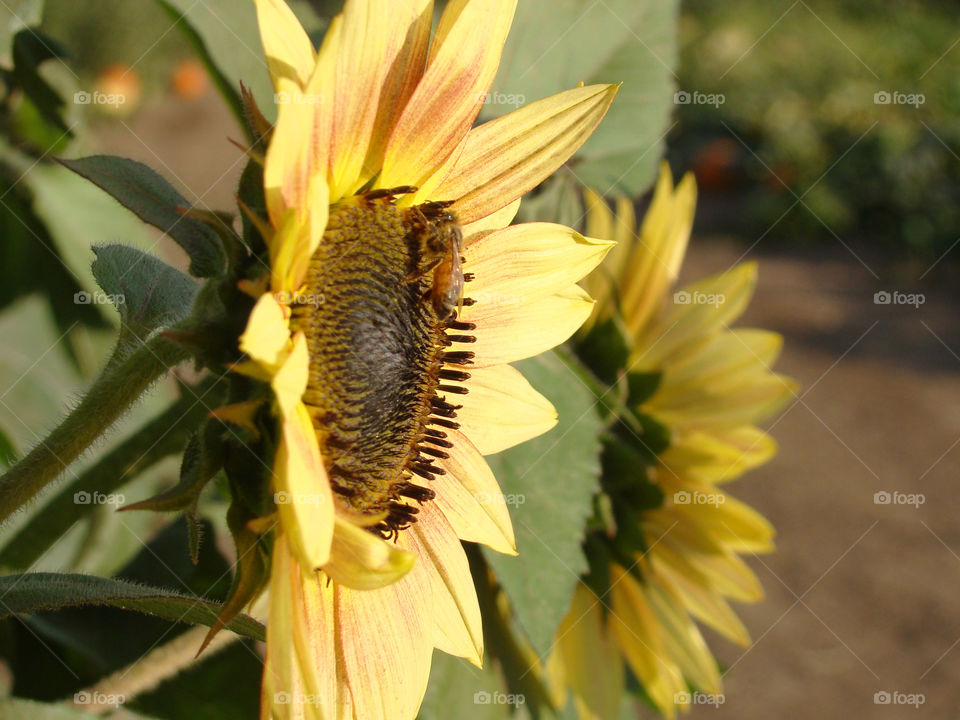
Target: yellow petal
(528,261)
(509,332)
(502,409)
(302,492)
(699,599)
(495,221)
(462,64)
(682,640)
(361,560)
(592,664)
(361,65)
(658,252)
(637,633)
(731,522)
(723,360)
(599,224)
(313,637)
(386,641)
(290,380)
(470,498)
(505,158)
(287,165)
(282,677)
(694,312)
(442,564)
(289,51)
(716,456)
(405,60)
(741,405)
(267,335)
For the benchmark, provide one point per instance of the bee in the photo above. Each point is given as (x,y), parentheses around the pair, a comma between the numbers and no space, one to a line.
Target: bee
(441,242)
(446,294)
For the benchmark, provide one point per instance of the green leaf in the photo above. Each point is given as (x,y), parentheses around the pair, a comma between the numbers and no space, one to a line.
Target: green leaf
(149,294)
(76,214)
(32,592)
(155,201)
(457,689)
(550,482)
(31,48)
(14,16)
(547,52)
(227,39)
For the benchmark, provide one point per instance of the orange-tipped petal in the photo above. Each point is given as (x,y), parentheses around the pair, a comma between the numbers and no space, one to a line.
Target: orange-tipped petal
(504,158)
(463,62)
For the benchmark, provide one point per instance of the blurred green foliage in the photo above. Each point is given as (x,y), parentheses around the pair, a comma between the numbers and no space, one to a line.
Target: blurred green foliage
(799,119)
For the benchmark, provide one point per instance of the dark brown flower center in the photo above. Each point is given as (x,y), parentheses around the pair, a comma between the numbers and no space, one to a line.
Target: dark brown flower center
(378,312)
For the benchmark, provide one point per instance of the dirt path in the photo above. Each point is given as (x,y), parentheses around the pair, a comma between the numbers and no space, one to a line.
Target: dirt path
(861,596)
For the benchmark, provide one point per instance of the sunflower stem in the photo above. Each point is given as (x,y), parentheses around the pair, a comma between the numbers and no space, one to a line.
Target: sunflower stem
(120,385)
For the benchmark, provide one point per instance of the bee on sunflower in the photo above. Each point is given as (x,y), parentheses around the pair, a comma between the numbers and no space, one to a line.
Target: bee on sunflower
(666,541)
(385,225)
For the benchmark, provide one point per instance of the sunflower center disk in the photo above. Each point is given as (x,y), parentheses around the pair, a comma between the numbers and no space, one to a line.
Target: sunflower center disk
(378,313)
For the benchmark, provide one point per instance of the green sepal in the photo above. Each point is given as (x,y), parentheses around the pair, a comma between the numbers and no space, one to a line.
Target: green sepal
(202,459)
(605,349)
(252,568)
(641,386)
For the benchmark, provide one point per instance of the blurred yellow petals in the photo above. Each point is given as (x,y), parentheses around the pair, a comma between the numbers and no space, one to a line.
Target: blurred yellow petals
(590,659)
(699,309)
(664,234)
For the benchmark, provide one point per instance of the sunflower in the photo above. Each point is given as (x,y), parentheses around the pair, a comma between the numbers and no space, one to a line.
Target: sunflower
(397,295)
(712,384)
